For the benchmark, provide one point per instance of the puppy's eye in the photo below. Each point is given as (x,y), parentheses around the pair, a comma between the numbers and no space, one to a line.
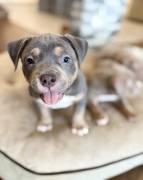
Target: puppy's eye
(66,59)
(30,60)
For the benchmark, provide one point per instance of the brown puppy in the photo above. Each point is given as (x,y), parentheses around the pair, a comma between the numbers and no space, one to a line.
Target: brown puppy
(118,77)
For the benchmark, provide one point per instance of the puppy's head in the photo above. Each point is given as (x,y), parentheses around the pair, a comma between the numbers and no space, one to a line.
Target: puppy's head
(50,63)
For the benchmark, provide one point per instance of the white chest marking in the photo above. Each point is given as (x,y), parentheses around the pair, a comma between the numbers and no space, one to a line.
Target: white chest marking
(65,102)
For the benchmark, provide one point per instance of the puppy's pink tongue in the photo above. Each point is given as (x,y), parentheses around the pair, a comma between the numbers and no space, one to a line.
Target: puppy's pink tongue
(52,97)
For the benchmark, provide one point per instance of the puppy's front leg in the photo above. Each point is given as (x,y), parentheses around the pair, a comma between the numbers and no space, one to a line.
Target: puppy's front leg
(79,125)
(45,122)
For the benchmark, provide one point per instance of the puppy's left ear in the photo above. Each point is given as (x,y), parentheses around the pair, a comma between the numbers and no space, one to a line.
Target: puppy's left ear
(15,49)
(79,45)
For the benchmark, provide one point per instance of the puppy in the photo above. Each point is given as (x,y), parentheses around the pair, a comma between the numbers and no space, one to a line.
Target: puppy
(51,65)
(117,77)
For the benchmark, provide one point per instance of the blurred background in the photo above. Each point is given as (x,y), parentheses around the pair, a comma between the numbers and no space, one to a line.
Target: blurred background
(98,21)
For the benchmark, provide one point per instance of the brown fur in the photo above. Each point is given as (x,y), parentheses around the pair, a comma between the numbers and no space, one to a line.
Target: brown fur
(36,51)
(58,50)
(115,70)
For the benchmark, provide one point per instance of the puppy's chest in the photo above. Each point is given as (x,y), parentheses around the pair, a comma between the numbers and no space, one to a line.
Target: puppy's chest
(65,102)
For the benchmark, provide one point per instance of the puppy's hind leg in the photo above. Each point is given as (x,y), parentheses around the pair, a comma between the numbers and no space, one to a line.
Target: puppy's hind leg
(125,107)
(45,121)
(102,118)
(119,84)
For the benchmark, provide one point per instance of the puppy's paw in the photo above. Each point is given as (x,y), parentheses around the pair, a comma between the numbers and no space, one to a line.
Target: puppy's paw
(132,118)
(44,127)
(80,131)
(103,121)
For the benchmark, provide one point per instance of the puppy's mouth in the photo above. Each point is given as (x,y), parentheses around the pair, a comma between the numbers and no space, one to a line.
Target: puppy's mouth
(48,95)
(51,97)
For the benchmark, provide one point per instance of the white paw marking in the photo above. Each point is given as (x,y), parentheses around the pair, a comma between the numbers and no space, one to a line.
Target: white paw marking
(102,122)
(44,128)
(80,132)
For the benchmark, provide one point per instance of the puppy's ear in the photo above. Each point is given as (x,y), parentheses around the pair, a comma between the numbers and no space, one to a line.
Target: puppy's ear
(15,49)
(79,45)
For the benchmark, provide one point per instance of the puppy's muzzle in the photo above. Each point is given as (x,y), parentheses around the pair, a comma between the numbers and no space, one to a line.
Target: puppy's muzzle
(48,80)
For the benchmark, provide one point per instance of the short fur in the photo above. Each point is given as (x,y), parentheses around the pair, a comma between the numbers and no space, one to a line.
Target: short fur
(42,58)
(118,78)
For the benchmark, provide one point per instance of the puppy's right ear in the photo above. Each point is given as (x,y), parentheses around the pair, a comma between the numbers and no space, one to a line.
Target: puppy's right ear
(15,49)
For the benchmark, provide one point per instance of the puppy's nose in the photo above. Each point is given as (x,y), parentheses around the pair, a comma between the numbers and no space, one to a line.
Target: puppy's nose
(48,80)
